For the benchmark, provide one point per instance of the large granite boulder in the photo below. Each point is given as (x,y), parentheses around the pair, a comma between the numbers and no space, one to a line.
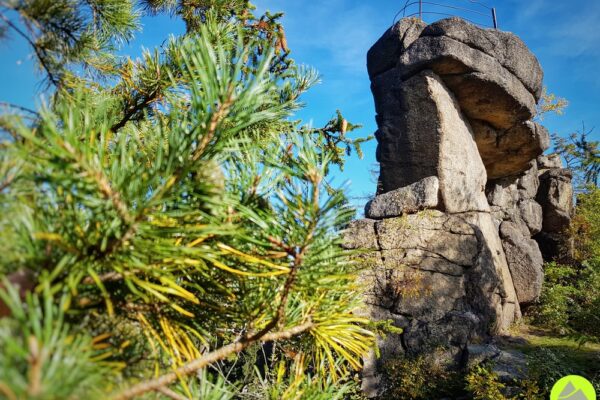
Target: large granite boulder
(549,161)
(504,47)
(494,77)
(449,255)
(556,197)
(519,216)
(422,133)
(467,71)
(510,151)
(531,213)
(384,54)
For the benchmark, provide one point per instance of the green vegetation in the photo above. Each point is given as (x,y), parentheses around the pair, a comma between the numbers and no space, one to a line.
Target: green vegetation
(582,155)
(570,299)
(564,337)
(419,378)
(168,230)
(550,357)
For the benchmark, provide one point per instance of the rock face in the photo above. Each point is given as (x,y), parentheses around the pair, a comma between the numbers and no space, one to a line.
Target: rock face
(518,145)
(512,200)
(412,147)
(494,77)
(441,277)
(449,235)
(405,200)
(524,260)
(384,54)
(555,196)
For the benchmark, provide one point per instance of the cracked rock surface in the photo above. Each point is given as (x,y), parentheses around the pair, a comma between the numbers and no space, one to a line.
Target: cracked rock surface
(464,199)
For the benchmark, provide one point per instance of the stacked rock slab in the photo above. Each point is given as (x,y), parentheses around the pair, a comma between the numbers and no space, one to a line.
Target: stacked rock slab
(449,235)
(555,195)
(513,204)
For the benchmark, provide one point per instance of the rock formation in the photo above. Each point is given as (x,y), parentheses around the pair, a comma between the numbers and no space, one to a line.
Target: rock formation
(461,190)
(555,195)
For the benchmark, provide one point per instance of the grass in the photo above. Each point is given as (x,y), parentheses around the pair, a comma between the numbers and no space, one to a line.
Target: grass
(550,356)
(584,356)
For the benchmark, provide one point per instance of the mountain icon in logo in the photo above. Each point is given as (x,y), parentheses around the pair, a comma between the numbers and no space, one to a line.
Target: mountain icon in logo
(572,393)
(573,387)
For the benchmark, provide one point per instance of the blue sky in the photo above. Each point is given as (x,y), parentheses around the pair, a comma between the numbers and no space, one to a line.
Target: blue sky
(333,36)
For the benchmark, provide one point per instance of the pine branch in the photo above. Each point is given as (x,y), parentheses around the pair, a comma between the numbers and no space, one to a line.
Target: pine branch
(103,184)
(171,394)
(18,107)
(298,259)
(7,182)
(36,49)
(115,197)
(132,111)
(108,277)
(216,118)
(287,287)
(208,359)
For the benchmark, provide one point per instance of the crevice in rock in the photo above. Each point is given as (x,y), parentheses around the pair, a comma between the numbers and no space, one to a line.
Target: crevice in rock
(378,241)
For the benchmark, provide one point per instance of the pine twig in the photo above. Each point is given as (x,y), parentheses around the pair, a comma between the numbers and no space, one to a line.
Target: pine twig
(37,51)
(7,182)
(18,107)
(130,113)
(171,394)
(109,193)
(4,389)
(221,113)
(108,277)
(35,368)
(207,359)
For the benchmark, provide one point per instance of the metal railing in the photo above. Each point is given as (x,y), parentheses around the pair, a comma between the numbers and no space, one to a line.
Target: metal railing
(413,8)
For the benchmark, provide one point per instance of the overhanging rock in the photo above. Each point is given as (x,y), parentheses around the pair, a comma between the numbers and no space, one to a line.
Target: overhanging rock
(493,75)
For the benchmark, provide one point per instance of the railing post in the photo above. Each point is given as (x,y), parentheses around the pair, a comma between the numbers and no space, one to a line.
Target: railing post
(494,18)
(421,9)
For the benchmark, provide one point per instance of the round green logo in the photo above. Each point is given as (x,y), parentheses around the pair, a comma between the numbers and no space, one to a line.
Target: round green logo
(573,387)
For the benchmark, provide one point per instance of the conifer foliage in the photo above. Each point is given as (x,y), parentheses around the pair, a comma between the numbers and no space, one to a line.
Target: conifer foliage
(168,230)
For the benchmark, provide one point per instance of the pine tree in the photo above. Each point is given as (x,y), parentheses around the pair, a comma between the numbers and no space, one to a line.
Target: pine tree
(582,156)
(168,229)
